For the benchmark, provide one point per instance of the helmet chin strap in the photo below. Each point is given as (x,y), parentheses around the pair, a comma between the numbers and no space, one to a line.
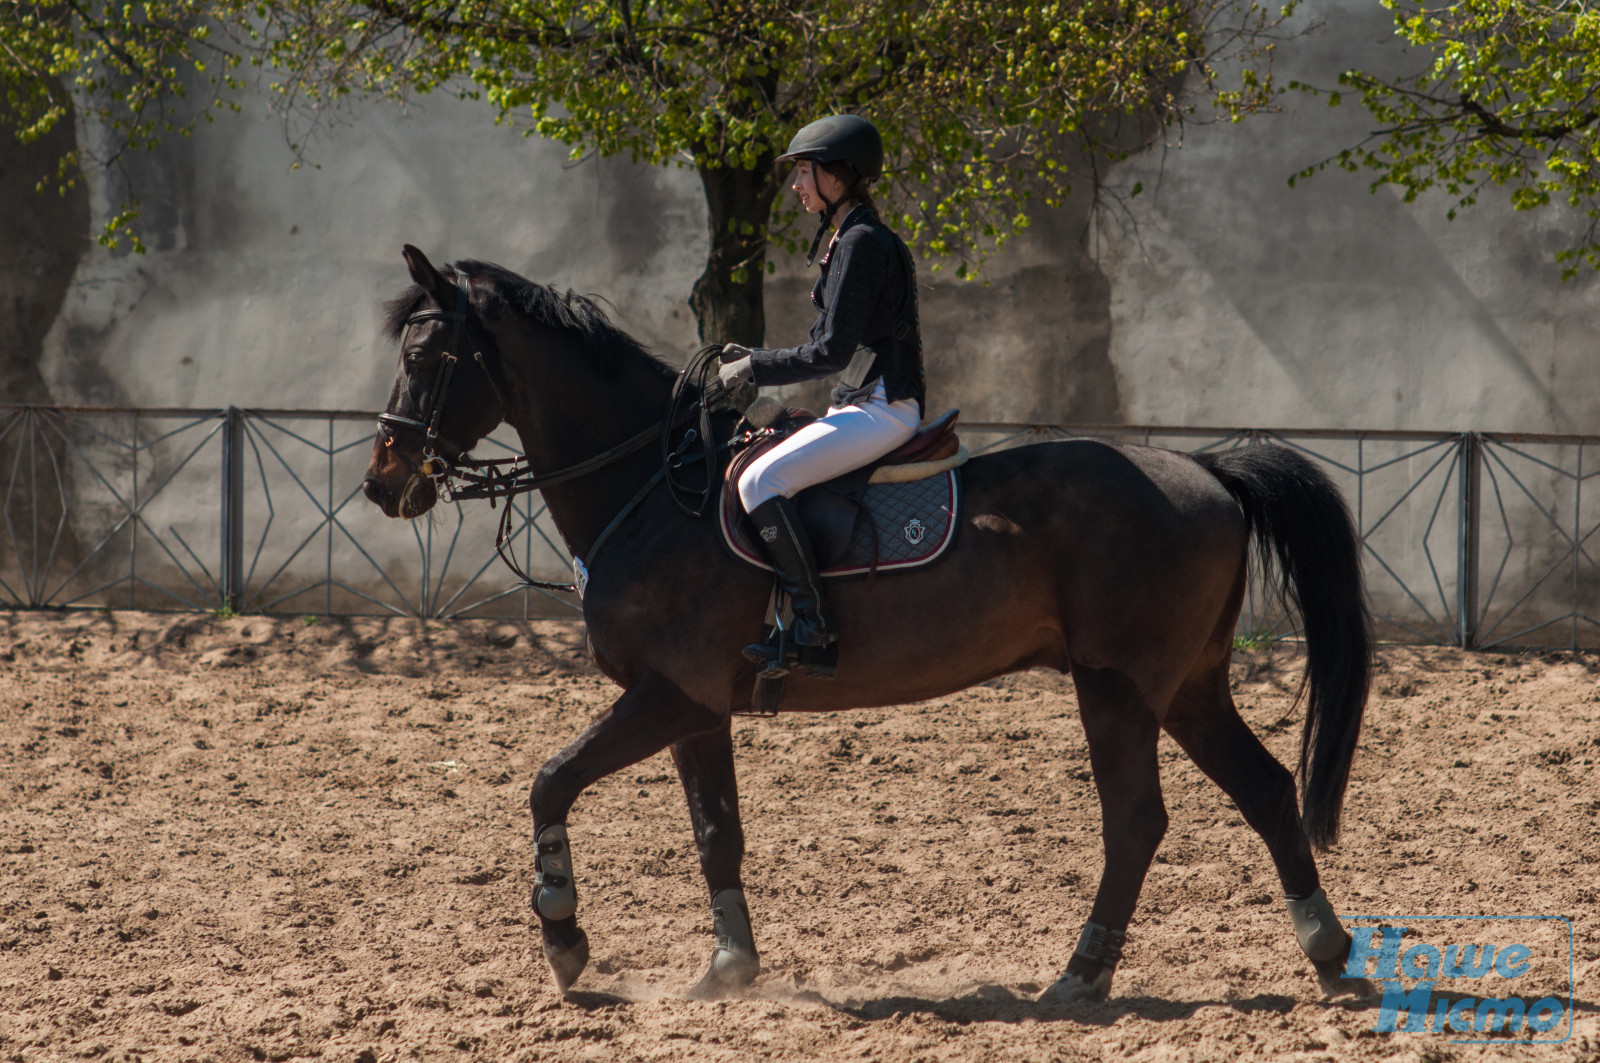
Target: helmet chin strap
(829,208)
(822,230)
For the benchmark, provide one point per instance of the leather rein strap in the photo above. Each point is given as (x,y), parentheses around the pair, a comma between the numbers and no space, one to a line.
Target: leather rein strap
(491,483)
(505,532)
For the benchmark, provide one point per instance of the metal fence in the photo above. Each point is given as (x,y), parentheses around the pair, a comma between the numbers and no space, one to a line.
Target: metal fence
(1472,539)
(245,510)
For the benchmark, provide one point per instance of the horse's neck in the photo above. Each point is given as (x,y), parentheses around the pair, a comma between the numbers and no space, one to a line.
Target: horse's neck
(569,429)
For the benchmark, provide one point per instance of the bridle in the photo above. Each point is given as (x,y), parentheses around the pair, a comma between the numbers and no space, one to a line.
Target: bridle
(436,465)
(445,461)
(458,477)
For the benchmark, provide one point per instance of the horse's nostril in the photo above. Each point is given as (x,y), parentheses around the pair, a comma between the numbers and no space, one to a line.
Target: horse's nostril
(375,491)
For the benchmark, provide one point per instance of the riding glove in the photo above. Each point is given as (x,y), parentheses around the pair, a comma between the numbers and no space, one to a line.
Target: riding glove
(737,373)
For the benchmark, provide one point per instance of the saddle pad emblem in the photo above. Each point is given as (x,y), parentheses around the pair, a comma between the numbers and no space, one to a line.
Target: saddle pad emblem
(915,531)
(769,534)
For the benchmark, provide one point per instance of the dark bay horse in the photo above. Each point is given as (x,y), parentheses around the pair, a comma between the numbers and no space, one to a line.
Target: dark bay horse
(1121,566)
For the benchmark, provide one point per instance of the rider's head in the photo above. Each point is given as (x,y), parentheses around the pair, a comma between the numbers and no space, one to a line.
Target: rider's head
(839,158)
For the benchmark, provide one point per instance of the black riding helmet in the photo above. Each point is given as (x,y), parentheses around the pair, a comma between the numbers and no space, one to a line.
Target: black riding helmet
(845,138)
(840,138)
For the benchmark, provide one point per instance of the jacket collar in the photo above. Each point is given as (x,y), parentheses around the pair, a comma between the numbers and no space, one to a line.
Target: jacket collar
(859,214)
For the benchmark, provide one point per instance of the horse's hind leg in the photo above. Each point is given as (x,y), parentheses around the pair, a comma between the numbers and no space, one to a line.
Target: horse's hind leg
(705,766)
(1204,721)
(1122,732)
(649,716)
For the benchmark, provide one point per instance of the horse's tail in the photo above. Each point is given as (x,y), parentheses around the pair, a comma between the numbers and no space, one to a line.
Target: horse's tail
(1299,519)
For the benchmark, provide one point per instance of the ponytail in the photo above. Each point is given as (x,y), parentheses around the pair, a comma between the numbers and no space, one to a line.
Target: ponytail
(856,188)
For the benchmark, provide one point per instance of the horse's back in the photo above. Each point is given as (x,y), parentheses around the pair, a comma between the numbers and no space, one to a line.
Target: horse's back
(1085,487)
(1066,553)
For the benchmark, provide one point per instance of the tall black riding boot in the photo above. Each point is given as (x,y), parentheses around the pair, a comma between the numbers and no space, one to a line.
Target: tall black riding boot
(810,641)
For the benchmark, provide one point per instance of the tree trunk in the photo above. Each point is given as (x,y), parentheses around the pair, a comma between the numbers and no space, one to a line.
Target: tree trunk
(42,238)
(727,297)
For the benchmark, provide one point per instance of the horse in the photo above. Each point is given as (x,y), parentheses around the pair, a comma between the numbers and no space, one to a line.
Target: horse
(1121,566)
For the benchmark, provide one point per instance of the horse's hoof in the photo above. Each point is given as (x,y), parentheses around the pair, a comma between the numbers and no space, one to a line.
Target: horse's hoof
(1330,976)
(1072,989)
(566,950)
(729,975)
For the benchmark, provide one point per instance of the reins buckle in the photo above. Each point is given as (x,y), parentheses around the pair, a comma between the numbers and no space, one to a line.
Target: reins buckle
(675,459)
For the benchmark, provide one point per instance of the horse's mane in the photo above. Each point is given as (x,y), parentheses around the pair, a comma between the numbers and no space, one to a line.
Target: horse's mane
(543,305)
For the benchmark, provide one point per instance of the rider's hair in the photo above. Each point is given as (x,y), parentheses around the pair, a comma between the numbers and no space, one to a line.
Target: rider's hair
(855,186)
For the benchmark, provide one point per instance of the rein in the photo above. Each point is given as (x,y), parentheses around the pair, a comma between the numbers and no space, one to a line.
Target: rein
(495,478)
(492,483)
(530,482)
(687,404)
(694,380)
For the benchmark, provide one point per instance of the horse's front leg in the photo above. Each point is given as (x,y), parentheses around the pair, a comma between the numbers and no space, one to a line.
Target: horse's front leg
(649,716)
(705,766)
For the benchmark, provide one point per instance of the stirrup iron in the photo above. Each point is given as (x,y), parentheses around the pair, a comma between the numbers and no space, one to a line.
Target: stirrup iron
(780,655)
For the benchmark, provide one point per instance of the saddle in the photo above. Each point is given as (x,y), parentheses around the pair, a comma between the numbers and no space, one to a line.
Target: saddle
(909,496)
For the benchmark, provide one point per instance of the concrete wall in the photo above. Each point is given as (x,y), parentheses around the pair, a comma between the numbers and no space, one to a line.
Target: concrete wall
(1243,301)
(1221,297)
(261,285)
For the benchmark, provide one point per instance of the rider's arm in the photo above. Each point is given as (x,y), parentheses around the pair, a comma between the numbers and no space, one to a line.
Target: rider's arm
(857,273)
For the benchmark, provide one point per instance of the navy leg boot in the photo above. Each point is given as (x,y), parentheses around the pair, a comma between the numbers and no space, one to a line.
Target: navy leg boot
(809,643)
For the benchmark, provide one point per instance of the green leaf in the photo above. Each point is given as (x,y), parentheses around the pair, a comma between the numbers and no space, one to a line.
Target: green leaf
(1508,102)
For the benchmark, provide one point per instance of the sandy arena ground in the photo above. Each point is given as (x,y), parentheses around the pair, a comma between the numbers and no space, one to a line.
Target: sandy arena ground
(272,839)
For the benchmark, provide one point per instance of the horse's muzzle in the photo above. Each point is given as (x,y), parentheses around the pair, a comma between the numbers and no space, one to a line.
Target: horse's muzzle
(379,496)
(415,497)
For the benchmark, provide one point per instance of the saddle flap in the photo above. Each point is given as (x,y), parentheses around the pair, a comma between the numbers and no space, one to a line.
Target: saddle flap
(829,517)
(790,420)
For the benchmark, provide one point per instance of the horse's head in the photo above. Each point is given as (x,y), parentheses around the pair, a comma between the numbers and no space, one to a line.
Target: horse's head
(444,399)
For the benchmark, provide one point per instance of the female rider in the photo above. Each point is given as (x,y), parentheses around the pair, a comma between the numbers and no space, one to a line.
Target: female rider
(868,331)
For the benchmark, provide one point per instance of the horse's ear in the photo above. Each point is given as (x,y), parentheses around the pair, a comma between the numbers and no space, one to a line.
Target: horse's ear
(423,273)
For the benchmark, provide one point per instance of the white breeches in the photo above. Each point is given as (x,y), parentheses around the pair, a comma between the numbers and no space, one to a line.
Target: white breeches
(847,438)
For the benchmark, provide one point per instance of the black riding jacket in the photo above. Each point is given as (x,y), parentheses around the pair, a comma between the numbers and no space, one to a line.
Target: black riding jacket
(867,292)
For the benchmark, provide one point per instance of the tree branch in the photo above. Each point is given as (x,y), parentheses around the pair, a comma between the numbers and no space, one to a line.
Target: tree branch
(1492,123)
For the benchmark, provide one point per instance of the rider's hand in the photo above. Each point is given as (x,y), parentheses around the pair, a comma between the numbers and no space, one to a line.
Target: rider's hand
(732,352)
(735,374)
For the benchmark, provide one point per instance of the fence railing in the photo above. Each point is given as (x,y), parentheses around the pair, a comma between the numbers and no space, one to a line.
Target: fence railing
(245,510)
(1472,539)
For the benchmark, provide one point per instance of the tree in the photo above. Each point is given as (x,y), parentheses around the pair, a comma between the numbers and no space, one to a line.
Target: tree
(1510,99)
(127,69)
(986,104)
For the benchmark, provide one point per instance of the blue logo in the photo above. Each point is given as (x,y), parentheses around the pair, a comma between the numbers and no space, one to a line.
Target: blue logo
(1498,979)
